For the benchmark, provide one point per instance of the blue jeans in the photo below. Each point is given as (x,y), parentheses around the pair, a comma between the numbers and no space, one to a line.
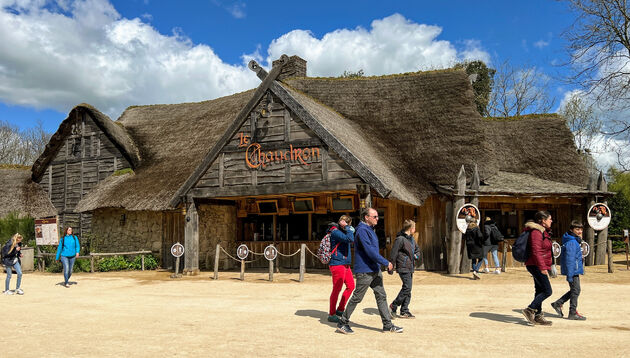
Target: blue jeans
(9,269)
(68,265)
(494,250)
(476,264)
(542,288)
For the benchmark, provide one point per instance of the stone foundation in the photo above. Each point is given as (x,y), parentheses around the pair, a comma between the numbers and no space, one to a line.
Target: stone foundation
(139,230)
(217,225)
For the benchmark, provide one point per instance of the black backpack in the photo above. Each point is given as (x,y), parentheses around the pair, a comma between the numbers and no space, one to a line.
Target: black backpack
(519,249)
(495,235)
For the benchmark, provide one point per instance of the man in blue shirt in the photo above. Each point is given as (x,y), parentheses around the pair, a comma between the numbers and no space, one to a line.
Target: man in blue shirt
(367,267)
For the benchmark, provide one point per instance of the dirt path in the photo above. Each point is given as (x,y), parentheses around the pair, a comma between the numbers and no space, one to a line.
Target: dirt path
(146,314)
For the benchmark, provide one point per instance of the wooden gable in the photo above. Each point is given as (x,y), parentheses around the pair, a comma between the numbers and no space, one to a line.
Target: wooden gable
(274,152)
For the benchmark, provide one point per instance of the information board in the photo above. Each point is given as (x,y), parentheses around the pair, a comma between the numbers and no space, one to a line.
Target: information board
(46,232)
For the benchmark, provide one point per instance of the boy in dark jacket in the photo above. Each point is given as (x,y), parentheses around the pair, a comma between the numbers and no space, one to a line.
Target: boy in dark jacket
(404,253)
(571,265)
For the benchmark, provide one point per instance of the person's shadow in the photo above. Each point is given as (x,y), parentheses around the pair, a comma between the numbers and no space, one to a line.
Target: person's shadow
(323,319)
(499,317)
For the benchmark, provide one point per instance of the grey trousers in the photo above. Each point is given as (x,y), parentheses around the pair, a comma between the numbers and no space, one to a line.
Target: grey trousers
(373,280)
(572,295)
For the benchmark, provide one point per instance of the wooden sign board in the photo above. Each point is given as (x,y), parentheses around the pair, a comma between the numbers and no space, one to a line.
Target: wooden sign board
(46,232)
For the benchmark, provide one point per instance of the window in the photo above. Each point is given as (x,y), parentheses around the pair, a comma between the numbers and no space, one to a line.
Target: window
(267,207)
(343,203)
(303,205)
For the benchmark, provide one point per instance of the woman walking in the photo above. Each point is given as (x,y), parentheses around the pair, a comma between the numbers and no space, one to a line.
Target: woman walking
(68,251)
(341,239)
(404,253)
(11,254)
(474,247)
(538,264)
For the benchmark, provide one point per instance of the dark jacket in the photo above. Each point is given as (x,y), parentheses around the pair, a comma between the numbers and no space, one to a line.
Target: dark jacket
(474,243)
(571,262)
(367,257)
(342,240)
(492,233)
(538,246)
(404,253)
(9,257)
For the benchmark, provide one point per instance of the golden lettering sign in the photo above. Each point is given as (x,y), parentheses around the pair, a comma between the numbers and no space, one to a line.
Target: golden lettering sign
(256,156)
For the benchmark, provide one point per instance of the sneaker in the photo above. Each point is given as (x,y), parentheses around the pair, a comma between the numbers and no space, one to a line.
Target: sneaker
(497,271)
(529,315)
(576,317)
(392,310)
(407,315)
(558,308)
(393,329)
(476,275)
(486,270)
(19,291)
(540,319)
(338,313)
(333,318)
(344,328)
(7,292)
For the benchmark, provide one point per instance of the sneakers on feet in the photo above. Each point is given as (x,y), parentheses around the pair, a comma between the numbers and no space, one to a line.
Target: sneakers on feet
(497,271)
(486,270)
(558,308)
(344,328)
(540,319)
(333,318)
(476,275)
(576,316)
(7,292)
(19,291)
(338,313)
(392,310)
(393,329)
(529,315)
(407,315)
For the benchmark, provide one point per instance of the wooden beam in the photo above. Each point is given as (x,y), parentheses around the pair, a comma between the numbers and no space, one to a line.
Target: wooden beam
(455,237)
(273,189)
(191,240)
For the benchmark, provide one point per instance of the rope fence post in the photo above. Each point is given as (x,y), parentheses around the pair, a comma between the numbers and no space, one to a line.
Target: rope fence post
(504,258)
(217,255)
(270,270)
(242,270)
(610,257)
(302,261)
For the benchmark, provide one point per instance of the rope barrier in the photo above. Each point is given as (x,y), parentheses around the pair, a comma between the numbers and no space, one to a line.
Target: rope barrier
(293,254)
(311,252)
(234,258)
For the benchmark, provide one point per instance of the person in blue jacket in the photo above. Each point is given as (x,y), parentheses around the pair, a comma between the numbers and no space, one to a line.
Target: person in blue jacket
(341,239)
(68,251)
(367,267)
(572,266)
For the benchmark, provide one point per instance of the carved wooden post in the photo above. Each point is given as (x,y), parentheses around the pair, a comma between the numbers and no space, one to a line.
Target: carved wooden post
(191,239)
(602,236)
(217,254)
(302,261)
(474,185)
(455,238)
(589,233)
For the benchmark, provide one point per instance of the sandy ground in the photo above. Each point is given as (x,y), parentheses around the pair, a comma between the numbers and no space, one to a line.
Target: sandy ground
(147,314)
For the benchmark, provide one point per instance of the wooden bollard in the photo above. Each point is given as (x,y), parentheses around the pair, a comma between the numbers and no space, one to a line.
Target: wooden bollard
(271,270)
(242,270)
(504,258)
(302,261)
(143,262)
(610,257)
(217,254)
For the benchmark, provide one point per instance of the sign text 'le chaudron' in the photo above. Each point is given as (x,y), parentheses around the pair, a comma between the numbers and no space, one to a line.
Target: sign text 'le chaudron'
(256,157)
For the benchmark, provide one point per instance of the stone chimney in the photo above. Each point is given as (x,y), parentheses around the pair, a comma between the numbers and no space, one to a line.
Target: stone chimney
(296,67)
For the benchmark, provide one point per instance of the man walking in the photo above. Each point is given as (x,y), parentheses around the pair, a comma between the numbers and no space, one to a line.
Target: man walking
(367,267)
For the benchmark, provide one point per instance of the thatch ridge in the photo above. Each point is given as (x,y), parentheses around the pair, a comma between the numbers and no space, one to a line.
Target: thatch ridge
(117,134)
(18,193)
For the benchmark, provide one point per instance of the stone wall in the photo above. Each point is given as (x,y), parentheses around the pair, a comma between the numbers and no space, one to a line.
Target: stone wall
(217,225)
(139,230)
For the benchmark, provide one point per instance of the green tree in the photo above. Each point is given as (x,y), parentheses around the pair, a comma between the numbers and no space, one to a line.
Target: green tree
(620,203)
(482,82)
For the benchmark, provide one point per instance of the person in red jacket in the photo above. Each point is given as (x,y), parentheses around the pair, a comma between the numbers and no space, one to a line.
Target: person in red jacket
(538,264)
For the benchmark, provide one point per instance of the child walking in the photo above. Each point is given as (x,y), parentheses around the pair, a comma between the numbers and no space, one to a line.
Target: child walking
(571,265)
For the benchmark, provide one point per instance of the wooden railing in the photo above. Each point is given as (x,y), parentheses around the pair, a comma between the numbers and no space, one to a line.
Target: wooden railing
(41,265)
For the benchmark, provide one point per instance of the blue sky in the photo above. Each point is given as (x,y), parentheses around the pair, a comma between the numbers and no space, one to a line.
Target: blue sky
(113,54)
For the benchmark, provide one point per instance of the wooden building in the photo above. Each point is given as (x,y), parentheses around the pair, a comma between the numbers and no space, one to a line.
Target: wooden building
(277,163)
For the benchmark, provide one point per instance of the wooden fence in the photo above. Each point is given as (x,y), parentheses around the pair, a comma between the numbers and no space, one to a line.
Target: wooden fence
(41,265)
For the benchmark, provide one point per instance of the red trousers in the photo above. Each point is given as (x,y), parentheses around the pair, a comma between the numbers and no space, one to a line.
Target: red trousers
(340,274)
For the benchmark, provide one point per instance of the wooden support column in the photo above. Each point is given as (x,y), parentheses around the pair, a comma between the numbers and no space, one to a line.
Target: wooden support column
(466,263)
(191,239)
(602,236)
(589,233)
(454,241)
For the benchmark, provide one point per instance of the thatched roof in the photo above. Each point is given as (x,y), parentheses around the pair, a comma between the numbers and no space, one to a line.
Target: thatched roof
(117,134)
(21,195)
(172,139)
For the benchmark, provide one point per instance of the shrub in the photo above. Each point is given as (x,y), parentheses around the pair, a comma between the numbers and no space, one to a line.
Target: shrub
(150,263)
(81,265)
(12,223)
(115,263)
(54,266)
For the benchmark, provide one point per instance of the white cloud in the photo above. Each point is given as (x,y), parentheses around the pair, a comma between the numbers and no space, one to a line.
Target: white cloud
(540,44)
(56,55)
(392,45)
(235,8)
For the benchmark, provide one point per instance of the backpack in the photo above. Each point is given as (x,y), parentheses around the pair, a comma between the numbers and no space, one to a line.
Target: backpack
(519,248)
(323,252)
(495,235)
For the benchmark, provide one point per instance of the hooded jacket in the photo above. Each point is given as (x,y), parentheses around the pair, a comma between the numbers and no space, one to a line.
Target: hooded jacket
(404,253)
(571,262)
(538,246)
(8,257)
(474,243)
(342,239)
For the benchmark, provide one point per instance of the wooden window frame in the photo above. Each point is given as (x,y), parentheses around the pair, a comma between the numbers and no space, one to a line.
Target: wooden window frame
(267,201)
(332,209)
(312,200)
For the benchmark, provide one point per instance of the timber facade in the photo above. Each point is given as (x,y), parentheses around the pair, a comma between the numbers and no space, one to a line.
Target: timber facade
(276,164)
